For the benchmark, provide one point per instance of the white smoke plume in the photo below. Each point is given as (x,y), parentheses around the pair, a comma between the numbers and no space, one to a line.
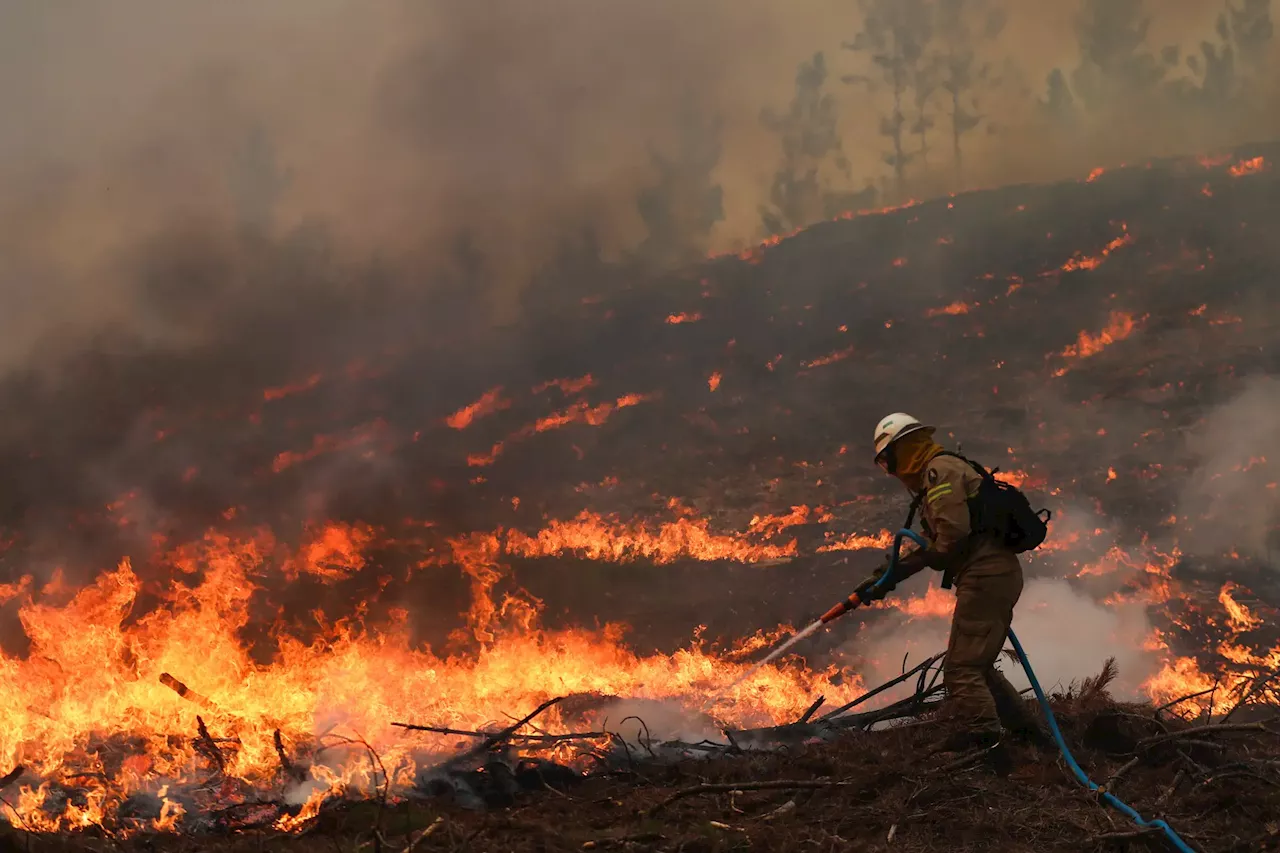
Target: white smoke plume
(1230,502)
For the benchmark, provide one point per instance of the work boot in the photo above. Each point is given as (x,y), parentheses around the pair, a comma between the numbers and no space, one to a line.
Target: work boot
(1031,733)
(992,741)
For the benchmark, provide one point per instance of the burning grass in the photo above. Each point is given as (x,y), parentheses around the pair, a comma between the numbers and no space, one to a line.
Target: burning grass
(1216,781)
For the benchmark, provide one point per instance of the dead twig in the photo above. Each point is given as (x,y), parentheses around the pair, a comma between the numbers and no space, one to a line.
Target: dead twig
(817,703)
(426,833)
(1173,786)
(538,738)
(1121,836)
(1147,743)
(208,747)
(290,769)
(831,715)
(772,785)
(1167,705)
(499,737)
(1110,784)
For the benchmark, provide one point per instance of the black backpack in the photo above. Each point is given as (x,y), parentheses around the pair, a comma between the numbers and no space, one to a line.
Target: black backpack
(1000,509)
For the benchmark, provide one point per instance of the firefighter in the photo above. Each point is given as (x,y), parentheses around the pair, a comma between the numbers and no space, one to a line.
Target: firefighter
(987,577)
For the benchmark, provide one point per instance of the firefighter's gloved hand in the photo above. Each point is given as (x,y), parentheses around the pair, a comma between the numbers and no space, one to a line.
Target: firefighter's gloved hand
(868,591)
(912,563)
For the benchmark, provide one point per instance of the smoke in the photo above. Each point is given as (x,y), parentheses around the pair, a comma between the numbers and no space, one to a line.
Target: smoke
(397,126)
(1230,501)
(1065,631)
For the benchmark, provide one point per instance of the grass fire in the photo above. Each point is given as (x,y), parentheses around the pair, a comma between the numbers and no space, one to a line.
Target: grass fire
(509,534)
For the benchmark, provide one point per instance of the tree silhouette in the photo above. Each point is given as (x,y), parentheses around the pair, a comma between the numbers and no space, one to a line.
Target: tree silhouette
(1227,70)
(1115,67)
(894,35)
(963,77)
(809,137)
(684,204)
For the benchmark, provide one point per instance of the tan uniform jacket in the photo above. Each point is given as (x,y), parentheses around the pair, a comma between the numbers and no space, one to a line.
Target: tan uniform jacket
(949,483)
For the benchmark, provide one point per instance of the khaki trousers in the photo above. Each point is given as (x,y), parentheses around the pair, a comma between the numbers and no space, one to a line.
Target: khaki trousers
(986,591)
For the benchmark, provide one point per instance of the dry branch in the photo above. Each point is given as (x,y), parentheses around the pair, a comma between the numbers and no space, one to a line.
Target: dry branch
(1147,743)
(501,736)
(208,747)
(773,785)
(184,691)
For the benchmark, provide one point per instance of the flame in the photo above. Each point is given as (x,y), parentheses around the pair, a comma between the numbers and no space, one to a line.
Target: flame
(829,358)
(597,538)
(99,668)
(1090,262)
(954,309)
(859,542)
(490,402)
(713,381)
(936,603)
(1251,166)
(1095,174)
(1119,327)
(580,412)
(1239,617)
(676,319)
(325,444)
(283,391)
(568,387)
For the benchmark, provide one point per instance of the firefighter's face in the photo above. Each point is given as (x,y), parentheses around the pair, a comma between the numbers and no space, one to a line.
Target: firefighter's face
(888,460)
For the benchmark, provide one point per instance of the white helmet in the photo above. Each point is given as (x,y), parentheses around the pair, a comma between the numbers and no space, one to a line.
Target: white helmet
(894,427)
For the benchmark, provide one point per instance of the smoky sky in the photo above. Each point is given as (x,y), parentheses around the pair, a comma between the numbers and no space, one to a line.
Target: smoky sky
(397,124)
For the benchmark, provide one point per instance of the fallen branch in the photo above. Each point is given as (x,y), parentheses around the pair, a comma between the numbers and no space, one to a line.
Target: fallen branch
(208,747)
(1167,705)
(501,736)
(829,717)
(539,738)
(1147,743)
(426,833)
(1110,784)
(636,838)
(12,776)
(773,785)
(1122,836)
(184,691)
(817,703)
(290,769)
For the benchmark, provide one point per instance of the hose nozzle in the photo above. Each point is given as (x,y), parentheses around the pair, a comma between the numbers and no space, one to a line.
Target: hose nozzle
(841,609)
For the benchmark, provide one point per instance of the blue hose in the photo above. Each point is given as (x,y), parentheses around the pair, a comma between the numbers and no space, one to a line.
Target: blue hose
(1081,776)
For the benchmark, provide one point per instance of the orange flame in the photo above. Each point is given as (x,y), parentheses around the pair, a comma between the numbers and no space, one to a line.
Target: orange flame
(954,309)
(490,402)
(283,391)
(1248,167)
(829,358)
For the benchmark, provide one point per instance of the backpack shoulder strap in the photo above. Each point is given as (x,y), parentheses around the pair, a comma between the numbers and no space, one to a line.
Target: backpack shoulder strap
(915,507)
(982,472)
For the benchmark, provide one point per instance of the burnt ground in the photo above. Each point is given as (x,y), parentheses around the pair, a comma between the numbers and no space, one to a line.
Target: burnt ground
(1218,785)
(962,310)
(323,394)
